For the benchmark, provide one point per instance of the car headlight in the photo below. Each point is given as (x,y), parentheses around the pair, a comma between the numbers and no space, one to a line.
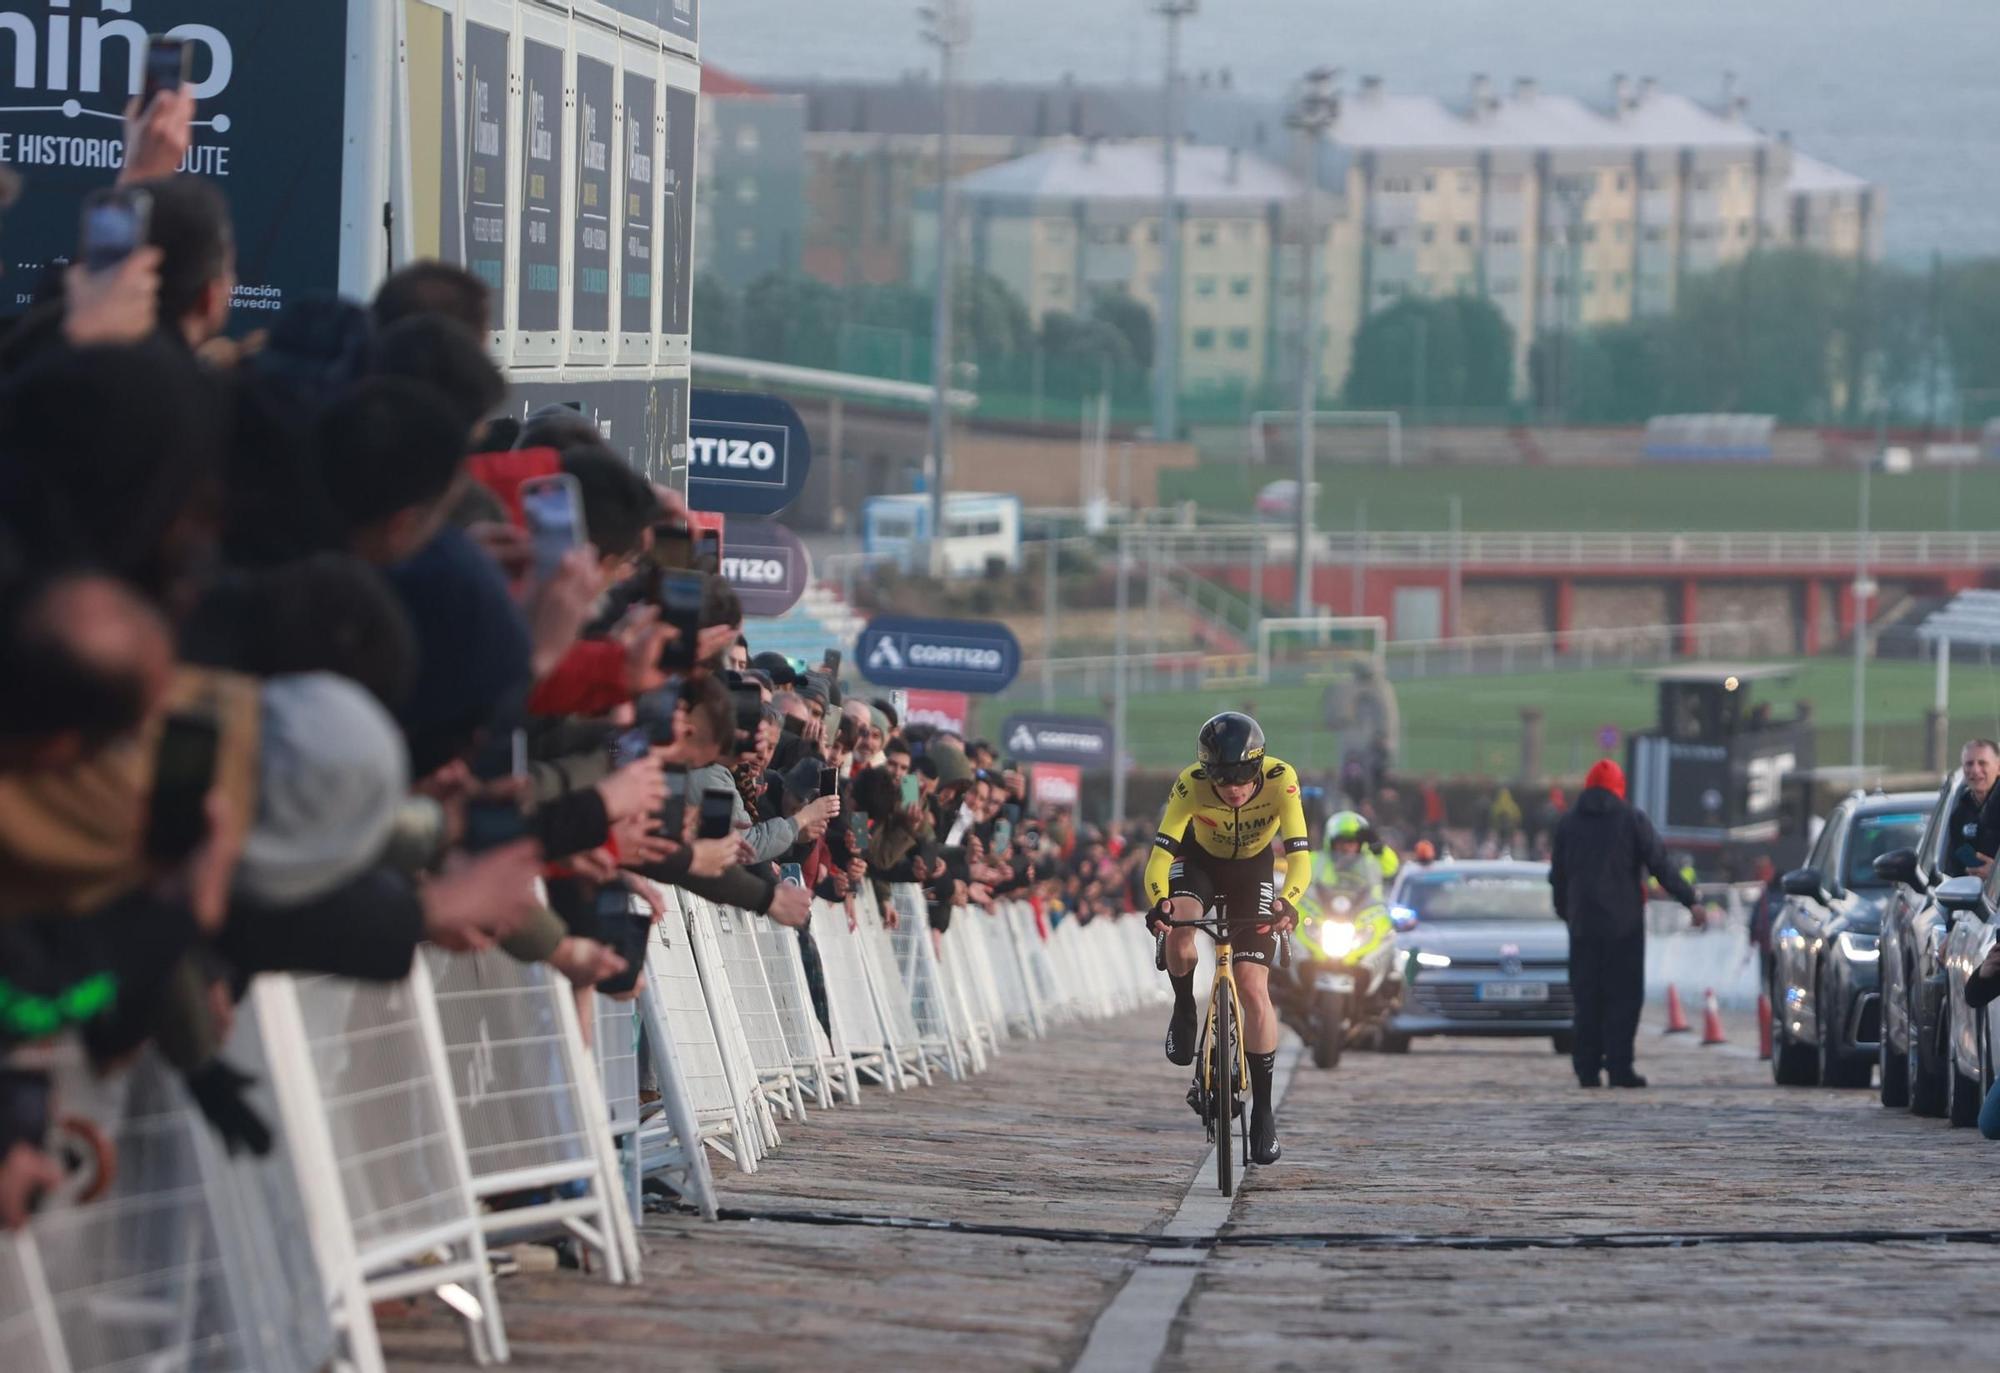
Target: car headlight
(1336,937)
(1859,948)
(1432,960)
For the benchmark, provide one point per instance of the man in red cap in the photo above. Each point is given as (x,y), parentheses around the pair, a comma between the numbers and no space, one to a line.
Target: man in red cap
(1604,851)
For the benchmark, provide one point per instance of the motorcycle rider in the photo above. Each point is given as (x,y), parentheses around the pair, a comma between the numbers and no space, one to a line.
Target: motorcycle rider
(1348,867)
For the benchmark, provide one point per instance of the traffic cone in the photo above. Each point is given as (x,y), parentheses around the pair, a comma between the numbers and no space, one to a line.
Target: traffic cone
(1763,1028)
(1677,1020)
(1711,1021)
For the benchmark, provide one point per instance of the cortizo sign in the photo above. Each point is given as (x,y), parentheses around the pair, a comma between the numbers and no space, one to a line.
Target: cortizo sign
(747,455)
(1057,739)
(766,565)
(976,656)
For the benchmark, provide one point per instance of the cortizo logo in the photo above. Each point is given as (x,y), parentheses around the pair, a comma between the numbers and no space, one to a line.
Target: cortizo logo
(755,571)
(736,454)
(70,53)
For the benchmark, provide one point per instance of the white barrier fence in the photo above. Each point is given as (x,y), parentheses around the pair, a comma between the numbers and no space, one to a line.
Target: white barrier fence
(480,1101)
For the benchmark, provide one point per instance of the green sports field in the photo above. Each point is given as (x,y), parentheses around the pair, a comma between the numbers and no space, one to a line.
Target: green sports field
(1462,726)
(1626,499)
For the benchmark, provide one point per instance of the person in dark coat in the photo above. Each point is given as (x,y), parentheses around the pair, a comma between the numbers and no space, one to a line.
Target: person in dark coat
(1604,851)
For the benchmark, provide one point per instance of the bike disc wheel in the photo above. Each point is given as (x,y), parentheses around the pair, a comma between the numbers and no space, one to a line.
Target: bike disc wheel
(1222,1101)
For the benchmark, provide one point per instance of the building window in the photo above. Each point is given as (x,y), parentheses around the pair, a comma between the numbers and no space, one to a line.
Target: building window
(1503,286)
(746,240)
(1396,185)
(1465,183)
(1239,340)
(1590,283)
(746,191)
(747,138)
(1204,340)
(1204,286)
(1617,281)
(1504,235)
(1655,233)
(1620,231)
(1428,233)
(1241,230)
(1652,181)
(1624,182)
(1239,286)
(1743,229)
(1204,235)
(1430,183)
(1387,238)
(1056,231)
(1465,233)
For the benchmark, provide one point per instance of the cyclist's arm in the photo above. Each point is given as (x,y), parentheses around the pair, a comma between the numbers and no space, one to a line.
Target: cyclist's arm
(1297,840)
(1167,843)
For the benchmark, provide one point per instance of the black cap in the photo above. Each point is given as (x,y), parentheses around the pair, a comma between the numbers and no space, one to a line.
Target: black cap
(777,667)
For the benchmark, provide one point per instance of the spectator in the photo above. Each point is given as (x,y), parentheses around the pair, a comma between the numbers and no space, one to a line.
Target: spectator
(1604,850)
(1974,824)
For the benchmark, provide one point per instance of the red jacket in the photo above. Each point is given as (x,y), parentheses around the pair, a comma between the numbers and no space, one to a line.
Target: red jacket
(503,473)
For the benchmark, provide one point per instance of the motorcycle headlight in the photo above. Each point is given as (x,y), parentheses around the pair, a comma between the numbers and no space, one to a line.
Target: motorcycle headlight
(1342,904)
(1432,960)
(1336,937)
(1859,948)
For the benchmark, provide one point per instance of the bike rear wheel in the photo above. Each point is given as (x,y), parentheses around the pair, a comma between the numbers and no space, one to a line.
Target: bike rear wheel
(1222,1100)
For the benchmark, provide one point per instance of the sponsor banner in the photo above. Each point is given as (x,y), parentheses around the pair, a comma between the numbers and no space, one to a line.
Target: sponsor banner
(267,132)
(679,109)
(635,307)
(767,565)
(487,112)
(747,454)
(643,419)
(590,280)
(676,18)
(1057,739)
(978,656)
(541,188)
(946,710)
(1055,784)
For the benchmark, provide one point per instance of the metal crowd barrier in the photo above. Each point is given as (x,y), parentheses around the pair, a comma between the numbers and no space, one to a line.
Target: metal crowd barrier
(420,1120)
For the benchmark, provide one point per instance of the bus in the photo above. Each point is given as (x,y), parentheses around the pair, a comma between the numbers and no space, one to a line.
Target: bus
(549,149)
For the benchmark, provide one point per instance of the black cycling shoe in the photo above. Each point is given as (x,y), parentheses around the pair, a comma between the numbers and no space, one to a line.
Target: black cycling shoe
(1264,1137)
(1181,1036)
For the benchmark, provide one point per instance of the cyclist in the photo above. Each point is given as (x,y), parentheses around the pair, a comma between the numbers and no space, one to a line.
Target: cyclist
(1215,842)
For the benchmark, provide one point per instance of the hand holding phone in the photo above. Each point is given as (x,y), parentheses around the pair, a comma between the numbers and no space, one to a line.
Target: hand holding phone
(169,65)
(681,594)
(718,815)
(552,507)
(183,774)
(116,224)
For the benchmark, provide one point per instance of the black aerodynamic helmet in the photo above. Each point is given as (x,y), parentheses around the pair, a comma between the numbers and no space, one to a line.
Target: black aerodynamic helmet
(1231,748)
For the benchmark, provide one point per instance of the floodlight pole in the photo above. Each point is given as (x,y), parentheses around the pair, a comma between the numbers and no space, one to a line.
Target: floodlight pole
(947,27)
(1863,589)
(1312,114)
(1167,348)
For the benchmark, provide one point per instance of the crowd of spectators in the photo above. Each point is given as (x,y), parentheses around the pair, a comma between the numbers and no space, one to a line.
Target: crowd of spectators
(287,685)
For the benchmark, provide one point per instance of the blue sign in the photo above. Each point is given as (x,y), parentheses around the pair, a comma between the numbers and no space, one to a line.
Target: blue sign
(767,565)
(747,455)
(978,656)
(1057,739)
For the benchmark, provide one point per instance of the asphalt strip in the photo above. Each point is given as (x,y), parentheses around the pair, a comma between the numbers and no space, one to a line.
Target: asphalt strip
(1131,1333)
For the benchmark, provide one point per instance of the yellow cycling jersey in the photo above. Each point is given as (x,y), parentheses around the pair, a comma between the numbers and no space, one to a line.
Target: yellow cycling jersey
(1195,812)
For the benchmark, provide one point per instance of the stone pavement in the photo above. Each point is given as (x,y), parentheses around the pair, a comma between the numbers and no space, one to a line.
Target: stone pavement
(1087,1132)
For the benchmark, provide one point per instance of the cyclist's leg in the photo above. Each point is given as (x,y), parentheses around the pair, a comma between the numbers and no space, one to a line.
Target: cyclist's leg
(1256,948)
(1190,892)
(1260,1020)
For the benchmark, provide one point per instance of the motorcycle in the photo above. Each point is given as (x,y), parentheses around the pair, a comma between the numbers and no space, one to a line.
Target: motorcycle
(1350,981)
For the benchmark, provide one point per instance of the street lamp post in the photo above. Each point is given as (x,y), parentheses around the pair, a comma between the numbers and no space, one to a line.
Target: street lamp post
(1863,589)
(1312,115)
(1167,351)
(947,26)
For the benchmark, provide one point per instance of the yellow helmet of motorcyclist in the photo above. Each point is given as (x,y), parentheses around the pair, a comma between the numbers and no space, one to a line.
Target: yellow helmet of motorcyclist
(1346,827)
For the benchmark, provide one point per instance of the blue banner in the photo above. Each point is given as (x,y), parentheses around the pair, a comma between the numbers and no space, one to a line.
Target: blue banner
(977,656)
(767,565)
(747,454)
(1057,739)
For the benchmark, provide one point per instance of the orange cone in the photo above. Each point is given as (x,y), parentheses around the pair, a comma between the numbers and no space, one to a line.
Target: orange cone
(1763,1028)
(1677,1020)
(1711,1021)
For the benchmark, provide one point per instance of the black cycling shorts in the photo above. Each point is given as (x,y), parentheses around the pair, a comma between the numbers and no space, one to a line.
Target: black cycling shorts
(1241,888)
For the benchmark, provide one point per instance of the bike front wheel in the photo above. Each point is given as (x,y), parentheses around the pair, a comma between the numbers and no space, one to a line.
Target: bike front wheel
(1222,1100)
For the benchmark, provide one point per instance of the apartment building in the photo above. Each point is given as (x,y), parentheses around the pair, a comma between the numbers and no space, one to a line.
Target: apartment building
(750,220)
(1080,218)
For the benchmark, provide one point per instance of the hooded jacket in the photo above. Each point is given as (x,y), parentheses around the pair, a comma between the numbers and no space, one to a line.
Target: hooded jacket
(1604,851)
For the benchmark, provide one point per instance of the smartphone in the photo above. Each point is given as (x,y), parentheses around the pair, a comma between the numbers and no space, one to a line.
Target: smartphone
(493,824)
(115,225)
(629,747)
(681,595)
(792,873)
(829,782)
(673,817)
(183,774)
(517,755)
(718,815)
(911,790)
(708,550)
(553,509)
(673,546)
(626,931)
(169,66)
(832,663)
(795,724)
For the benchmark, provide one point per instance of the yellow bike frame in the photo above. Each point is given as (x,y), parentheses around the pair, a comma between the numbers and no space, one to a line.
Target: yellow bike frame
(1224,985)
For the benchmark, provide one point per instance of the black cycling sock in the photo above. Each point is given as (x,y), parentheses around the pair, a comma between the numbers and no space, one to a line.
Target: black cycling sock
(1183,990)
(1261,1066)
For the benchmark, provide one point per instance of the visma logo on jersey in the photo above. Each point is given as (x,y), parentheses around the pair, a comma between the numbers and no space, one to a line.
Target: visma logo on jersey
(86,60)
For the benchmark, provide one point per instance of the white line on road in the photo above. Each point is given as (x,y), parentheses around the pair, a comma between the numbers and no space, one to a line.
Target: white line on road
(1131,1333)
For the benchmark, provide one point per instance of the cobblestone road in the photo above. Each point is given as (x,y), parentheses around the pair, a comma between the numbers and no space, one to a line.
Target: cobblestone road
(1086,1132)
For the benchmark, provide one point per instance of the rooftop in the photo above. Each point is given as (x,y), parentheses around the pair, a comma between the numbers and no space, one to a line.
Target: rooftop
(1133,172)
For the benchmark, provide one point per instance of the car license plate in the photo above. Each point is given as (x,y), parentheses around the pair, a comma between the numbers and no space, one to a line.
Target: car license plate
(1513,991)
(1334,982)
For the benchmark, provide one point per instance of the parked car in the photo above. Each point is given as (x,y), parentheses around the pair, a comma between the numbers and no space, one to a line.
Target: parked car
(1826,1005)
(1911,1062)
(1969,1034)
(1486,955)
